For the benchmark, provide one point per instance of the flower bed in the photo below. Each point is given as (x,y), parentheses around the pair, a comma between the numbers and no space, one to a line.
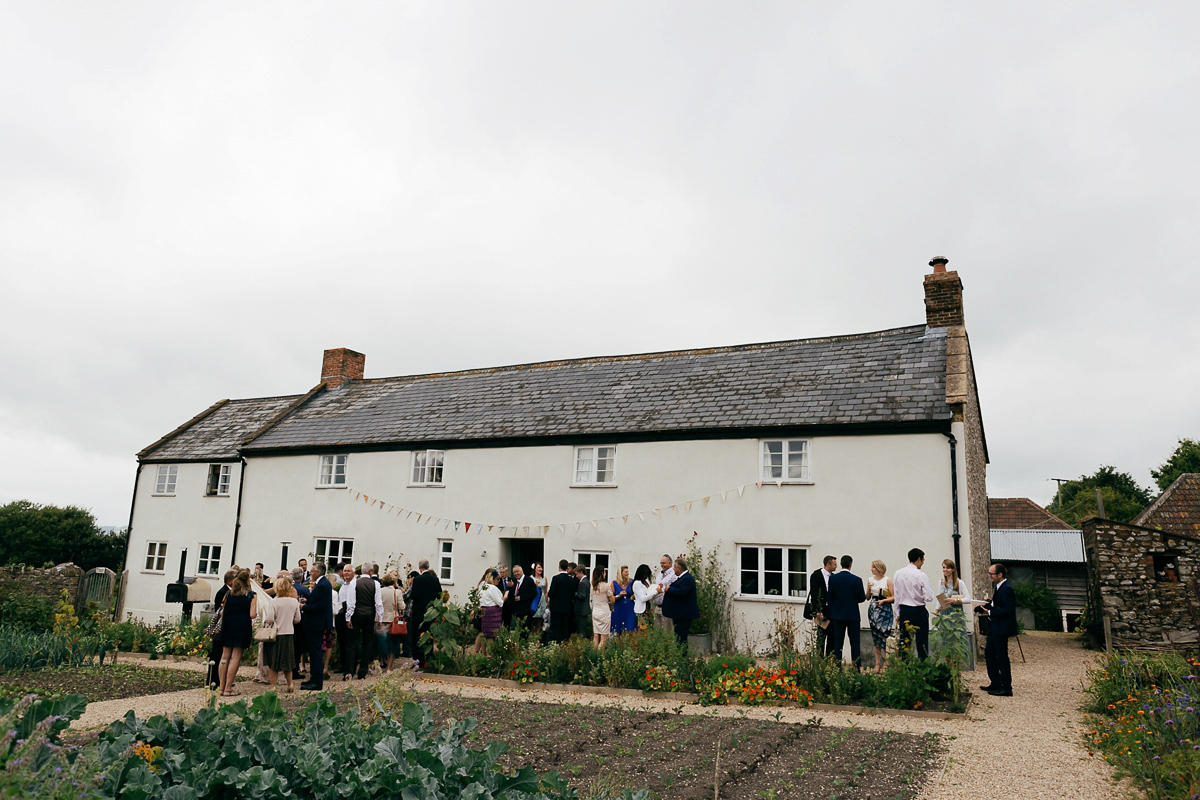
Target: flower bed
(1146,721)
(757,686)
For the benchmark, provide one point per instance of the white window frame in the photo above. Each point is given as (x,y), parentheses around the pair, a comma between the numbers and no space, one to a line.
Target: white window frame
(592,555)
(327,471)
(165,480)
(445,561)
(788,593)
(322,553)
(589,456)
(206,564)
(424,471)
(788,448)
(224,473)
(156,558)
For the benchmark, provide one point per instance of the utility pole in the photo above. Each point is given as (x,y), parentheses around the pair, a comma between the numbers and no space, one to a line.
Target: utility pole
(1058,492)
(1100,503)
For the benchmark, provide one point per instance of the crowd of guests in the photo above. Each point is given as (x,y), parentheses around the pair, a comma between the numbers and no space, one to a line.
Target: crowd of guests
(576,603)
(900,604)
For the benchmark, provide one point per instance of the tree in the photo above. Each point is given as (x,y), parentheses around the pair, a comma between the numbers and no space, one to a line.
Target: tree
(1186,458)
(1123,498)
(35,534)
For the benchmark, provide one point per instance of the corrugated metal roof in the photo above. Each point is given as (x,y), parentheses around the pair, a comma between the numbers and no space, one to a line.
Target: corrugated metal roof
(1037,545)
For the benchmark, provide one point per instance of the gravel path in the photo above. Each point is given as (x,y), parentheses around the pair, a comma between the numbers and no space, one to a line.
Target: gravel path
(1028,745)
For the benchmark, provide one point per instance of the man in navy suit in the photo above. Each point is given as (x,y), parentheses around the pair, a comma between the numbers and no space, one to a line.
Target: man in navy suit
(317,618)
(679,601)
(1002,611)
(561,598)
(846,592)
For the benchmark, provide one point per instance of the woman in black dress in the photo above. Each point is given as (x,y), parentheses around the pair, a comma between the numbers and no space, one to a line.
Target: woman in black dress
(241,607)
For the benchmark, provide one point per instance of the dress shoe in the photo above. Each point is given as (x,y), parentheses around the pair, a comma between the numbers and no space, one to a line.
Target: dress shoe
(987,688)
(309,687)
(1000,692)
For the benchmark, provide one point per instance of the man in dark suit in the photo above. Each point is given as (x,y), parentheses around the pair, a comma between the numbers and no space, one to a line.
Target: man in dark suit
(505,585)
(1002,612)
(583,603)
(846,592)
(317,618)
(679,601)
(426,589)
(562,602)
(523,593)
(816,607)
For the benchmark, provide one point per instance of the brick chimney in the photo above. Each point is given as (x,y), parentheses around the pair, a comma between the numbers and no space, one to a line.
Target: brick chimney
(341,366)
(943,296)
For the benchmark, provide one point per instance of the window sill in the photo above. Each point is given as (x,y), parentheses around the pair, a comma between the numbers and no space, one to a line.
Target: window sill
(216,495)
(156,494)
(774,598)
(426,486)
(445,583)
(332,486)
(152,572)
(773,481)
(593,486)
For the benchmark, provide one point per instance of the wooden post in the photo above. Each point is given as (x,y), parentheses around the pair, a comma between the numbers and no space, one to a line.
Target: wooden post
(1108,647)
(1100,504)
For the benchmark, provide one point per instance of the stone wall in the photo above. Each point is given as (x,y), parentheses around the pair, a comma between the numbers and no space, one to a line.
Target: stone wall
(963,398)
(48,582)
(1144,582)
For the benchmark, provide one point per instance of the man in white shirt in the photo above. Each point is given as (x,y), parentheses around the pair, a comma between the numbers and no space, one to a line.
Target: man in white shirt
(666,576)
(343,617)
(913,593)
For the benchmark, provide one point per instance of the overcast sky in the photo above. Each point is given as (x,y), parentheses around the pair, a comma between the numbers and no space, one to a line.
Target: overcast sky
(197,199)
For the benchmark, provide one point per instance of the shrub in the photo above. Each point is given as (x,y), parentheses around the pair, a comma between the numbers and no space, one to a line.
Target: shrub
(27,612)
(713,595)
(909,682)
(1119,674)
(1043,602)
(443,652)
(625,658)
(731,662)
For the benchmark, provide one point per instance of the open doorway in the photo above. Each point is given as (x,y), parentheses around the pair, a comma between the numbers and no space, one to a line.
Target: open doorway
(524,552)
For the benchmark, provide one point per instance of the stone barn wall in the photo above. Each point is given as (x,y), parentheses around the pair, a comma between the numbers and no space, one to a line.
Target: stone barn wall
(1145,582)
(46,582)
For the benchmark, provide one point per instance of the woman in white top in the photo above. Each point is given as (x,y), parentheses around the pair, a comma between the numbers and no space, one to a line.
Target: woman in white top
(284,612)
(643,593)
(491,600)
(954,621)
(881,611)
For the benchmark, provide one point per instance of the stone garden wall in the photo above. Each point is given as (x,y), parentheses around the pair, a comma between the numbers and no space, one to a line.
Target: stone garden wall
(41,582)
(1145,582)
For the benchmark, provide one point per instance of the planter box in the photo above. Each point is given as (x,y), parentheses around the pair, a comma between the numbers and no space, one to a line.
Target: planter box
(700,644)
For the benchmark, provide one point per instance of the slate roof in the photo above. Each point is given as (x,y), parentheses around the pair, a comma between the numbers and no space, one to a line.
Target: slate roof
(1011,513)
(1177,510)
(892,376)
(1064,546)
(217,432)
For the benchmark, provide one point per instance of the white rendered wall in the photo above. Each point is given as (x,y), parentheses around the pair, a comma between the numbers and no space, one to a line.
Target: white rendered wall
(186,520)
(871,497)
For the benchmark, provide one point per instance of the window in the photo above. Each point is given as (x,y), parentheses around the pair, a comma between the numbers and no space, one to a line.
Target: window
(333,472)
(785,460)
(334,551)
(591,560)
(594,466)
(446,559)
(1166,569)
(210,560)
(427,467)
(219,476)
(765,571)
(167,473)
(156,557)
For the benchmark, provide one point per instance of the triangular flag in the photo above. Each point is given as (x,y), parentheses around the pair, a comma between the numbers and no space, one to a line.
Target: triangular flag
(625,519)
(674,508)
(723,494)
(501,529)
(468,530)
(562,527)
(409,514)
(596,524)
(456,524)
(526,530)
(758,484)
(447,525)
(366,499)
(577,524)
(642,516)
(741,490)
(658,512)
(779,484)
(357,495)
(706,501)
(612,521)
(689,505)
(490,527)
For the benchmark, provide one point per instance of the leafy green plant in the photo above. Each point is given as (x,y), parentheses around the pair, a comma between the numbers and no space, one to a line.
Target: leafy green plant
(33,761)
(1042,601)
(951,645)
(30,612)
(713,594)
(443,653)
(21,649)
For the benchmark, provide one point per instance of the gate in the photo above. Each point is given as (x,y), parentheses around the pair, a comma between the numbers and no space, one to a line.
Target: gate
(96,591)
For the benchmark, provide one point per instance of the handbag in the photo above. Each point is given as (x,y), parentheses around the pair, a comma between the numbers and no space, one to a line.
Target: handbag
(398,627)
(265,631)
(214,624)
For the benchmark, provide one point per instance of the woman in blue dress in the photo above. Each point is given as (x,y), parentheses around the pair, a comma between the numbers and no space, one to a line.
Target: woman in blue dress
(623,617)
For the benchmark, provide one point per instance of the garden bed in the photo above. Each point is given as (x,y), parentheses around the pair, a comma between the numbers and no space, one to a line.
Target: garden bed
(96,683)
(675,755)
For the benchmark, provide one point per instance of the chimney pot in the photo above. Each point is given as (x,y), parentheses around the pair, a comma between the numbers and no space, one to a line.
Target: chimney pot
(340,366)
(939,263)
(943,296)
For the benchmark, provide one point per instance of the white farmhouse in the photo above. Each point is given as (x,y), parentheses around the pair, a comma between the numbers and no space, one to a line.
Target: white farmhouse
(777,454)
